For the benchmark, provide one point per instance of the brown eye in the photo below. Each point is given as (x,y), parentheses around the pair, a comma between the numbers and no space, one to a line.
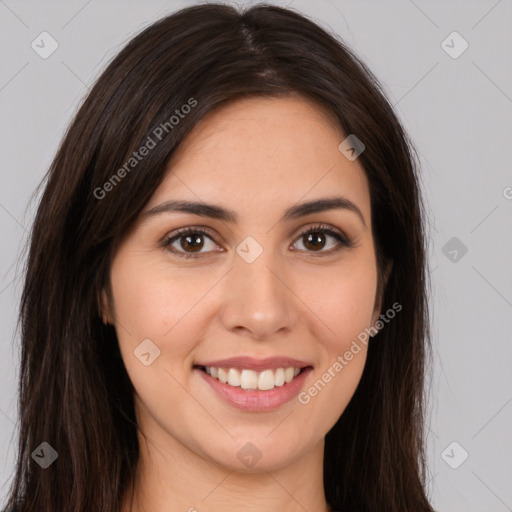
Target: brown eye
(192,242)
(317,238)
(189,242)
(314,241)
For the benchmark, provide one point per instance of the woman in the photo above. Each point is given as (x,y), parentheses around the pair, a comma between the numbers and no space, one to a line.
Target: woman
(225,299)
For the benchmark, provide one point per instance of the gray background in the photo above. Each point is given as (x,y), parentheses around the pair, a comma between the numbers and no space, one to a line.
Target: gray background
(457,111)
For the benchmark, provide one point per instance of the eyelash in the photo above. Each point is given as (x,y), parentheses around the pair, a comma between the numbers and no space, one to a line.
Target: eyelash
(321,228)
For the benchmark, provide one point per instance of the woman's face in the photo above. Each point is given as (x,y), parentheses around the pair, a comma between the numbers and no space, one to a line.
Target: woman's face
(255,288)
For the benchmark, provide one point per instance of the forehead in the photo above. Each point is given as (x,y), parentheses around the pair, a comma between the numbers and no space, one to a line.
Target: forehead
(266,152)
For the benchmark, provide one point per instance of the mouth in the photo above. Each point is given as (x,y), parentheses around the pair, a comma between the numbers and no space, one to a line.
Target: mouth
(254,391)
(251,380)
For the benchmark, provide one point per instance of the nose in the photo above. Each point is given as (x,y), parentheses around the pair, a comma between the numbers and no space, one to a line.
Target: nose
(257,299)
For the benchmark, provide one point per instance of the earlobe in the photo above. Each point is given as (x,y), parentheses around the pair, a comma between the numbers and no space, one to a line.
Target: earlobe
(380,292)
(387,272)
(104,307)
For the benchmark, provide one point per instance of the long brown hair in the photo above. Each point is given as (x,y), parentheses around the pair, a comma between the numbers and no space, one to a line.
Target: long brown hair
(71,367)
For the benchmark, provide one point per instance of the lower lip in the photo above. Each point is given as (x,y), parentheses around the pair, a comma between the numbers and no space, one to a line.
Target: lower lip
(257,400)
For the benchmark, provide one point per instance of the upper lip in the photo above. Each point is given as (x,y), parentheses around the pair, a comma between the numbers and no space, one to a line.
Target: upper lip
(251,363)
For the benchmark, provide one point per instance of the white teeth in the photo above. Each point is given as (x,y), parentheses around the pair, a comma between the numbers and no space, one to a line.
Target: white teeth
(266,380)
(288,374)
(233,377)
(279,377)
(223,375)
(250,379)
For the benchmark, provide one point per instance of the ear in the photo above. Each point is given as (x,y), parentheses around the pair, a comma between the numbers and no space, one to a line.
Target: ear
(104,307)
(382,282)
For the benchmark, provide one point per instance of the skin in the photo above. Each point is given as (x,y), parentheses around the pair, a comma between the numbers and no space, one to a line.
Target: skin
(256,157)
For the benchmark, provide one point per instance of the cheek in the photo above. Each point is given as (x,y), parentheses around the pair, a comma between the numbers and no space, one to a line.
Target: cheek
(151,305)
(150,298)
(342,301)
(344,311)
(146,306)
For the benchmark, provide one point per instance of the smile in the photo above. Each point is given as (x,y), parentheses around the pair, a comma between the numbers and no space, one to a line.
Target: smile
(251,390)
(250,379)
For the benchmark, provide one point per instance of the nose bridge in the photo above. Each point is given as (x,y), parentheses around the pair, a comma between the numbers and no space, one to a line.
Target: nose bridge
(257,299)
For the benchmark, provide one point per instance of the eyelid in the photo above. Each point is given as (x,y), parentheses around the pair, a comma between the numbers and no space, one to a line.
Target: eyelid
(322,226)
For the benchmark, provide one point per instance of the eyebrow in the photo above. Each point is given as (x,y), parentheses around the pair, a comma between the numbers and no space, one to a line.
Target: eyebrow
(217,212)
